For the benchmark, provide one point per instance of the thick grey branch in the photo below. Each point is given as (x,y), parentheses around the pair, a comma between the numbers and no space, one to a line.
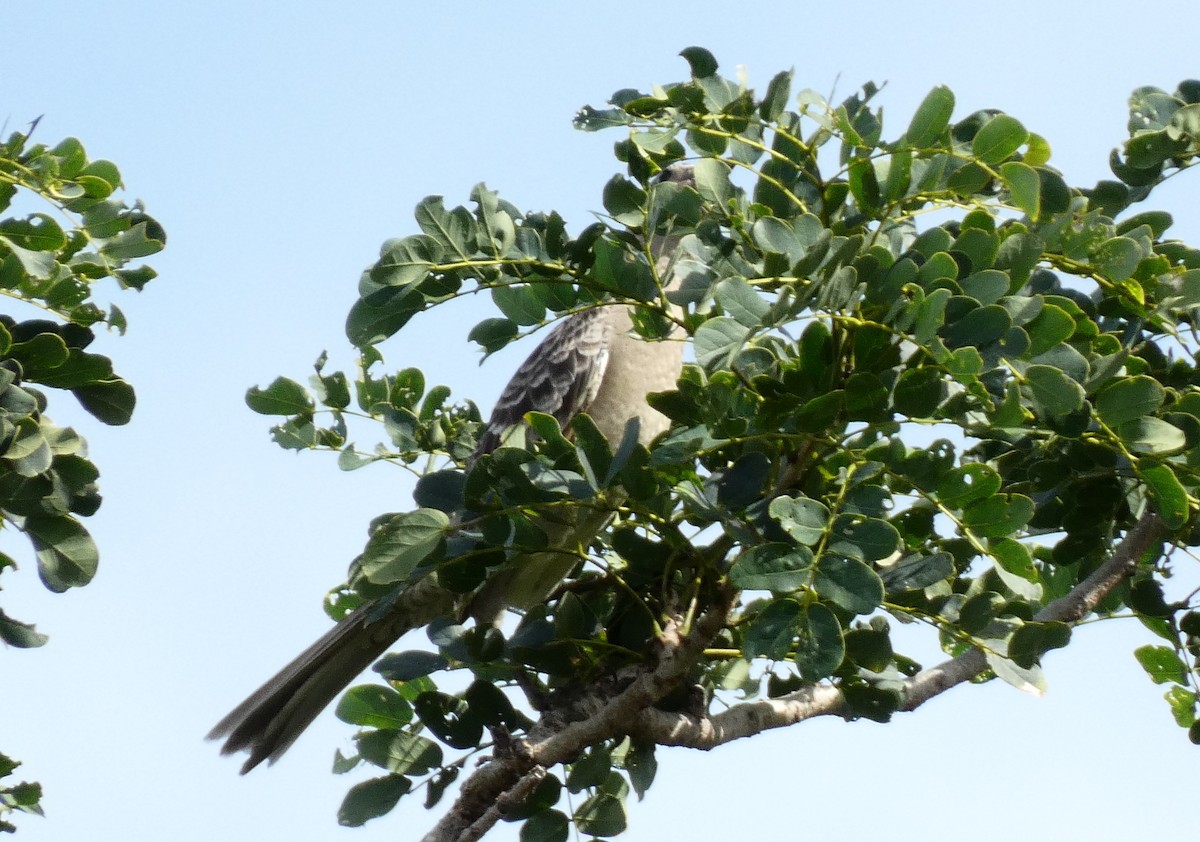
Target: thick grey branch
(1076,605)
(552,741)
(750,718)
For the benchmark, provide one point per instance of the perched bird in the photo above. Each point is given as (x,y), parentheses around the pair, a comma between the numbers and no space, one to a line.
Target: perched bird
(591,362)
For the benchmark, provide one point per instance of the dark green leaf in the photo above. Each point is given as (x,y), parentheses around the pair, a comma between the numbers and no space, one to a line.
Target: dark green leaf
(409,664)
(848,583)
(399,752)
(110,402)
(374,706)
(773,567)
(864,538)
(602,815)
(67,555)
(700,60)
(1032,640)
(771,633)
(402,542)
(916,571)
(803,519)
(919,392)
(965,484)
(371,799)
(998,516)
(282,397)
(19,635)
(820,649)
(546,826)
(1054,393)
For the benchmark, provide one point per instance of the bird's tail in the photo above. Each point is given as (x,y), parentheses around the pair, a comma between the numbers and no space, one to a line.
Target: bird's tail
(273,716)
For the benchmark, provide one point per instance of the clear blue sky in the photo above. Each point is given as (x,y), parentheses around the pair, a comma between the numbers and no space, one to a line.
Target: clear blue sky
(280,144)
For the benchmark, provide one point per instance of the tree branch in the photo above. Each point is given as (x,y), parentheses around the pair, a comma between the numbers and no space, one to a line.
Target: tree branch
(750,718)
(1074,606)
(595,717)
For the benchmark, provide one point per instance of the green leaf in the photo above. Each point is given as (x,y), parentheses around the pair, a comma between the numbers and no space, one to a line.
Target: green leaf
(401,543)
(771,633)
(137,241)
(1117,258)
(374,706)
(493,334)
(1162,664)
(1183,706)
(625,201)
(701,61)
(283,397)
(28,453)
(1051,326)
(914,572)
(1129,399)
(998,516)
(544,796)
(603,814)
(546,826)
(36,232)
(869,648)
(998,138)
(67,555)
(849,583)
(1169,496)
(717,341)
(1152,436)
(410,664)
(919,392)
(743,482)
(820,648)
(641,766)
(1014,566)
(713,184)
(977,328)
(741,302)
(19,635)
(1054,393)
(406,262)
(863,538)
(399,752)
(590,770)
(931,118)
(774,567)
(449,717)
(1024,187)
(372,799)
(1032,640)
(775,100)
(110,402)
(1025,679)
(521,303)
(965,484)
(803,519)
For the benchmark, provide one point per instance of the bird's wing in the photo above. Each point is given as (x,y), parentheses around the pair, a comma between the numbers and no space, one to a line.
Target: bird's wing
(560,378)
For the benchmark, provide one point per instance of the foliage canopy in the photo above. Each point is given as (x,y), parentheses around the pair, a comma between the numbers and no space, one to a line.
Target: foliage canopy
(77,233)
(932,384)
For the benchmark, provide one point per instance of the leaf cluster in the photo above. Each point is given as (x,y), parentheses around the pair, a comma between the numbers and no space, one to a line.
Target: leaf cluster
(79,234)
(893,415)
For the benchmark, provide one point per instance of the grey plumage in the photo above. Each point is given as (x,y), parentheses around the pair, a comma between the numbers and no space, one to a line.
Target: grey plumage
(591,362)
